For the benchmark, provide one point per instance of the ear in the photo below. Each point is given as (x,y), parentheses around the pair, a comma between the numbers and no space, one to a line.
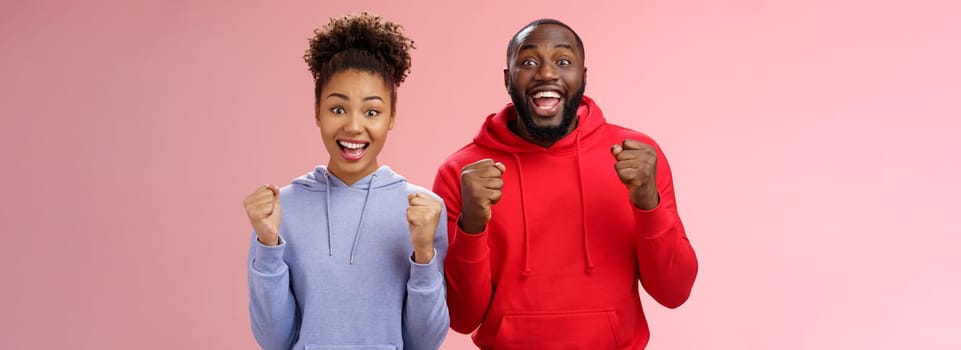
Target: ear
(317,114)
(390,124)
(507,79)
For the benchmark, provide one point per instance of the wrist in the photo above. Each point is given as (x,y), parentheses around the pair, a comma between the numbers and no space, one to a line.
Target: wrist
(470,226)
(647,200)
(423,256)
(269,240)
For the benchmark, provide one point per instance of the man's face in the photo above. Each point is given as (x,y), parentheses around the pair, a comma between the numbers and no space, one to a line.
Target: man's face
(545,79)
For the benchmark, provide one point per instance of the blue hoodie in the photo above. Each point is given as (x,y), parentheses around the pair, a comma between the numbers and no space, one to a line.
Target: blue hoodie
(342,276)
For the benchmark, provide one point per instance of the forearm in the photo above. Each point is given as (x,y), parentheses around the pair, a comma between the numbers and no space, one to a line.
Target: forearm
(273,315)
(426,319)
(467,263)
(468,279)
(665,258)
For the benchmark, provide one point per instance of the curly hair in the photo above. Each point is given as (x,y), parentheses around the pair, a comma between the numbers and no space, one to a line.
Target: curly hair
(363,42)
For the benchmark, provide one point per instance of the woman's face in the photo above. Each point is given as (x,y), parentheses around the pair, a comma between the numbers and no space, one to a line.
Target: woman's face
(354,115)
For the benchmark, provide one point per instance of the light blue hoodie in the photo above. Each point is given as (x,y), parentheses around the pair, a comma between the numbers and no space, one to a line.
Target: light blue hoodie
(342,276)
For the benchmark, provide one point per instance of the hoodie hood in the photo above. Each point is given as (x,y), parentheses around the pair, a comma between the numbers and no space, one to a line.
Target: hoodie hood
(496,134)
(322,180)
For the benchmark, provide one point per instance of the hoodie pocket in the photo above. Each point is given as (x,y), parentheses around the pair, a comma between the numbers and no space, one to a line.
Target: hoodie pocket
(350,347)
(570,330)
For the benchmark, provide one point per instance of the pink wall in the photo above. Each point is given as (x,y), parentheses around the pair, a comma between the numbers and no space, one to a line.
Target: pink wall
(813,144)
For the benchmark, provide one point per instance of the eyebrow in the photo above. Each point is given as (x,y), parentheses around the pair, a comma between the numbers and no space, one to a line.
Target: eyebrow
(532,46)
(344,97)
(341,96)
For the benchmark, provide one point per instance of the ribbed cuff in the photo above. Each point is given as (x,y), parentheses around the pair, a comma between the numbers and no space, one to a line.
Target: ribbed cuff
(654,223)
(269,259)
(425,276)
(469,247)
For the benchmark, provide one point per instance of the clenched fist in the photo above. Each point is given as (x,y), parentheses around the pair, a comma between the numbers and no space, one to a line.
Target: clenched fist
(480,188)
(637,168)
(422,217)
(263,210)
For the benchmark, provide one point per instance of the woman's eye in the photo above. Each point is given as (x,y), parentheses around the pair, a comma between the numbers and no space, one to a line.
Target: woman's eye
(337,110)
(372,113)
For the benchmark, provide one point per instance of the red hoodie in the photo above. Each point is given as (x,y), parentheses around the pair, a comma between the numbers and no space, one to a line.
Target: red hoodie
(558,264)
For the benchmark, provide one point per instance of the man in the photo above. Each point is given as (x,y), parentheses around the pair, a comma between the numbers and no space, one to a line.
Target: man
(550,226)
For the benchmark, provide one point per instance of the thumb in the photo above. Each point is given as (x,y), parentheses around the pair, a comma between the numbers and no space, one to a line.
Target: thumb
(500,166)
(273,188)
(276,209)
(275,212)
(616,149)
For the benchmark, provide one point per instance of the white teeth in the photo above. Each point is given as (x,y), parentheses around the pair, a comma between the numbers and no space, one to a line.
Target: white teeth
(351,145)
(548,94)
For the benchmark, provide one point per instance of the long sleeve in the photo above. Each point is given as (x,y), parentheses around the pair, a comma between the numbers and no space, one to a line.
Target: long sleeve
(467,265)
(426,317)
(667,263)
(273,308)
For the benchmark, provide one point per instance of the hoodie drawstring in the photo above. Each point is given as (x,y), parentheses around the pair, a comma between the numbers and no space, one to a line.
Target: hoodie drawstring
(330,247)
(360,224)
(353,247)
(527,245)
(588,262)
(580,178)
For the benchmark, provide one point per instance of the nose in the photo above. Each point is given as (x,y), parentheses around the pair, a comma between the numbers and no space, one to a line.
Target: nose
(354,124)
(546,72)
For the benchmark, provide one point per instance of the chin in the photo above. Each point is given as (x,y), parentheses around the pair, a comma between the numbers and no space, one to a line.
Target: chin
(353,167)
(549,122)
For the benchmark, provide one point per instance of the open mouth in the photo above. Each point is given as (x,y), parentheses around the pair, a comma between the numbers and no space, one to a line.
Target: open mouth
(352,149)
(546,103)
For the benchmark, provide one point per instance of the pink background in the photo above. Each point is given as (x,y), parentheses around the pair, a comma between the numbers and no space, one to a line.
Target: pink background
(813,144)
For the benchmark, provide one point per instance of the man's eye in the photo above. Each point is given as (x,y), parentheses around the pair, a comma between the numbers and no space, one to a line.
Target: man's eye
(564,62)
(529,63)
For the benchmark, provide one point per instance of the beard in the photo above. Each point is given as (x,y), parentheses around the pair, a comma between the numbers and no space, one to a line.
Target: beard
(525,112)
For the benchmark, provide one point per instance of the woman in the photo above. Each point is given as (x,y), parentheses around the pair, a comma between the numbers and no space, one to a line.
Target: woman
(355,259)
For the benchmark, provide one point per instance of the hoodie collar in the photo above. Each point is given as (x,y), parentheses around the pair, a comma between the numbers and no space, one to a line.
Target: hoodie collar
(317,180)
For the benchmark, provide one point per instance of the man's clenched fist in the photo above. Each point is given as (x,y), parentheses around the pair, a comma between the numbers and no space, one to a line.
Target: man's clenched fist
(637,168)
(480,186)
